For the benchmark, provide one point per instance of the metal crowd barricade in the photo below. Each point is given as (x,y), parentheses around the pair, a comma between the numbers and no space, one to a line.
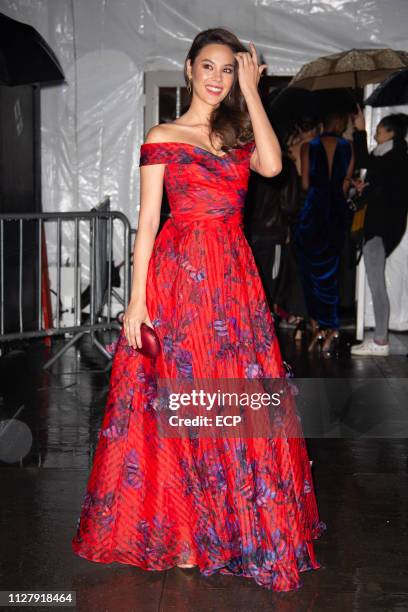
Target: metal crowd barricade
(101,226)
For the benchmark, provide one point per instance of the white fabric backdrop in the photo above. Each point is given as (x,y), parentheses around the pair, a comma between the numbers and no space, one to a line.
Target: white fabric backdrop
(92,127)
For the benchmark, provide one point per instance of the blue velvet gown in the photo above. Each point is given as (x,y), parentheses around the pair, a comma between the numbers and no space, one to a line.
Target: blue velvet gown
(319,233)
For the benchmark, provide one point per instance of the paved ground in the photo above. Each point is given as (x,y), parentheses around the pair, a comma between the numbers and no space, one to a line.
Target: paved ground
(361,481)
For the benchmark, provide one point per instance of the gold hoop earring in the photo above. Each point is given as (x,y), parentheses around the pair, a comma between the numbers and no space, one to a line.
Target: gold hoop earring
(189,86)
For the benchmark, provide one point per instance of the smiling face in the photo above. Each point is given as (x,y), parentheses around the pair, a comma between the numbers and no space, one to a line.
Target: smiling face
(212,73)
(382,134)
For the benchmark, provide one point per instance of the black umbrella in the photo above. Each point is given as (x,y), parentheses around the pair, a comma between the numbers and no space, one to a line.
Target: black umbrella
(25,57)
(293,103)
(392,92)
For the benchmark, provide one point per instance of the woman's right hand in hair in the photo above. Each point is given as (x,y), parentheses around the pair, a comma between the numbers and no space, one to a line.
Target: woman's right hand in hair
(136,314)
(359,119)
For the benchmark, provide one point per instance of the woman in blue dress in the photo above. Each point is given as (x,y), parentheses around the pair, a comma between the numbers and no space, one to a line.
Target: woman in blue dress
(327,168)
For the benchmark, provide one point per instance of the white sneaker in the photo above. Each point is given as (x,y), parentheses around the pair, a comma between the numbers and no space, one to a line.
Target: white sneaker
(369,347)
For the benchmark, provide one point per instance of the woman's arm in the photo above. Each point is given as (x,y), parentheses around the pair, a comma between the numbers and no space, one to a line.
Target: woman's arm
(151,193)
(362,156)
(304,162)
(349,176)
(266,158)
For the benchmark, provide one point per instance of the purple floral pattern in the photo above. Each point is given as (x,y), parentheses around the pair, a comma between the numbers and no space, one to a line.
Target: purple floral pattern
(238,506)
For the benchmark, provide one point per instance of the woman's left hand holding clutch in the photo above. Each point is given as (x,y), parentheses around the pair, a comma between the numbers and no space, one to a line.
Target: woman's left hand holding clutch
(136,314)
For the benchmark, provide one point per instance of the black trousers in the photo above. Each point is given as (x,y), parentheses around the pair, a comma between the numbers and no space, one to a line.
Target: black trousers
(263,249)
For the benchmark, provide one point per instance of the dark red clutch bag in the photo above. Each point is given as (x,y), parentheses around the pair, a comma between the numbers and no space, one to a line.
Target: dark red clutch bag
(150,342)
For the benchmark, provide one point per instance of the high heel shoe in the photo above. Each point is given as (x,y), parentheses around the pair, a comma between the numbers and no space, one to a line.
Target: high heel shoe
(188,571)
(317,340)
(299,330)
(331,342)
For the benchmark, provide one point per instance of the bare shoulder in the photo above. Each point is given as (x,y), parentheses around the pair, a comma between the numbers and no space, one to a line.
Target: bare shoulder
(157,133)
(163,132)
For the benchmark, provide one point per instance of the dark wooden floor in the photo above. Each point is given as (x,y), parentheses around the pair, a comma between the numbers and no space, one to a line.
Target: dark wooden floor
(361,479)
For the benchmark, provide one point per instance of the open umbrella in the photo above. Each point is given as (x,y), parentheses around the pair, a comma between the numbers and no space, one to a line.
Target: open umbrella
(353,68)
(293,103)
(25,57)
(392,92)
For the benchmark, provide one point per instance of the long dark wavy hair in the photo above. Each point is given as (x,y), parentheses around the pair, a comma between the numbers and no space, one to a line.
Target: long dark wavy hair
(230,119)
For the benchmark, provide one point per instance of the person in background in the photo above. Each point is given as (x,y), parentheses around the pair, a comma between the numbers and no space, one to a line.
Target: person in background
(289,295)
(327,167)
(385,190)
(271,203)
(301,131)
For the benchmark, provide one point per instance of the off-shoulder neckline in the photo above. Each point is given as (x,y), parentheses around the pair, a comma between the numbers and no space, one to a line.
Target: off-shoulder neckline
(188,144)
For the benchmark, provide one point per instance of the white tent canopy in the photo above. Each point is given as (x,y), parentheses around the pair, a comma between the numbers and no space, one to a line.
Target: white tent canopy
(92,127)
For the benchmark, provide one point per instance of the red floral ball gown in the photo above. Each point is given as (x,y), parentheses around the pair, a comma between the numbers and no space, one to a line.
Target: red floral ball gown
(237,506)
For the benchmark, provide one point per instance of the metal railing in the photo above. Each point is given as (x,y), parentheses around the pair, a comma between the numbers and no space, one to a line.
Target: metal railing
(13,275)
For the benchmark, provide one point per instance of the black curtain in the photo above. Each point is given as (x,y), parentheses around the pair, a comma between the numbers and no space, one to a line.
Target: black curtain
(20,191)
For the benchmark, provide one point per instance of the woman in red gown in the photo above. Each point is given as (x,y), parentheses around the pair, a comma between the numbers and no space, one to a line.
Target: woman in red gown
(243,506)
